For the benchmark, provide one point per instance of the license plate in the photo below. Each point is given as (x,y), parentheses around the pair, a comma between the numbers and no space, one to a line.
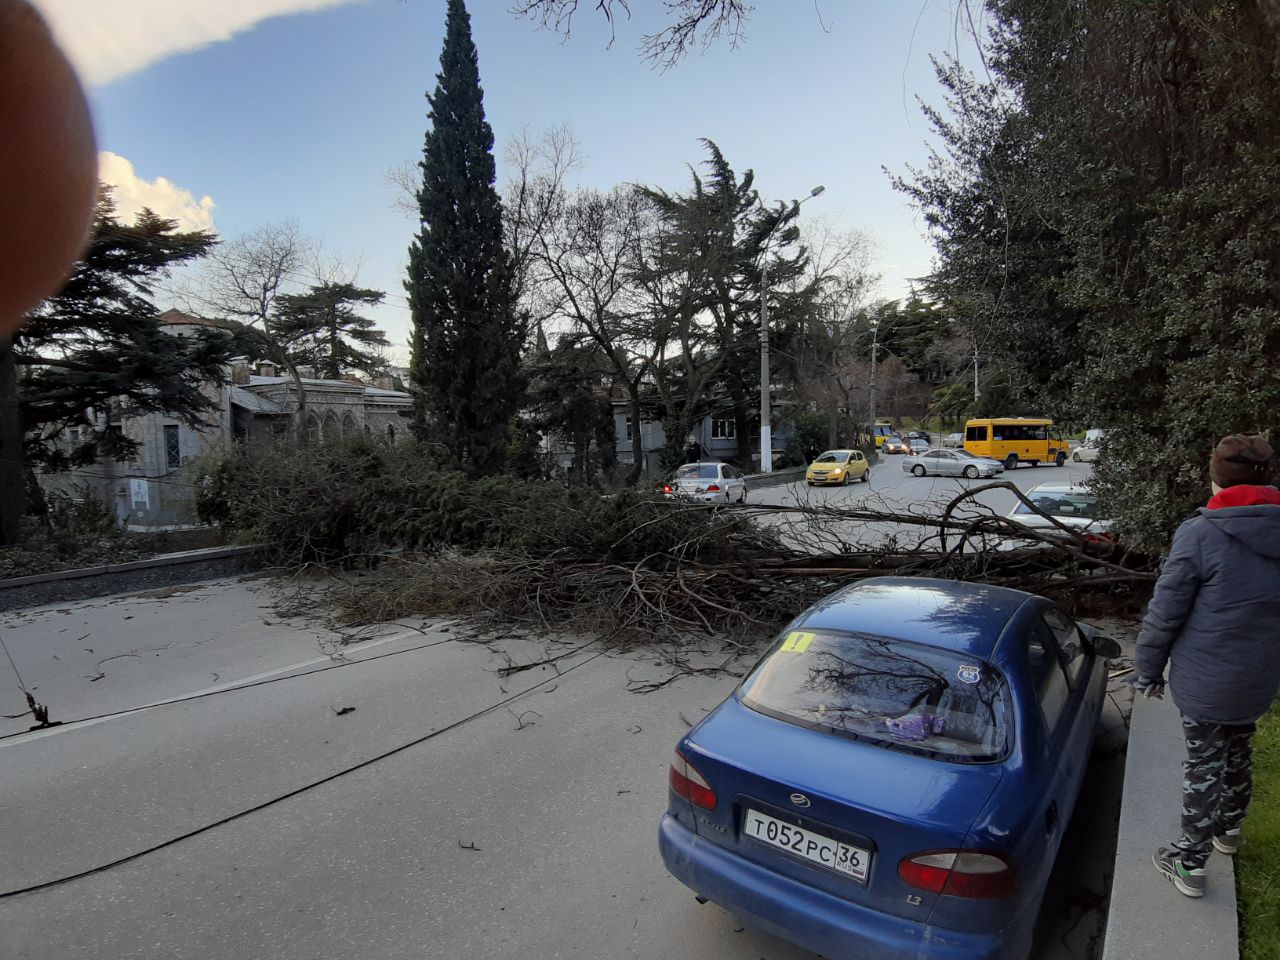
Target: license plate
(814,847)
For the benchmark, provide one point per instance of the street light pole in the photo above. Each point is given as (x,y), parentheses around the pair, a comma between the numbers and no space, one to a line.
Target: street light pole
(766,428)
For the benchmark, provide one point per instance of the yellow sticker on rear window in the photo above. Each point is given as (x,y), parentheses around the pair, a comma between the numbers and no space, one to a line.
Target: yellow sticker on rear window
(797,642)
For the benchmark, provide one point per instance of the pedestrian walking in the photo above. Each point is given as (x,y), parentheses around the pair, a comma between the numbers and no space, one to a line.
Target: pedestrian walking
(1214,619)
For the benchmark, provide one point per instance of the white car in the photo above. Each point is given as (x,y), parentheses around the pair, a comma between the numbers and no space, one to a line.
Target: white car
(1087,452)
(952,463)
(714,482)
(1071,504)
(953,440)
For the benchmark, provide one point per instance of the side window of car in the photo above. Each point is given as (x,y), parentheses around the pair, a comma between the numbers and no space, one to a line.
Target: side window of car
(1047,676)
(1070,643)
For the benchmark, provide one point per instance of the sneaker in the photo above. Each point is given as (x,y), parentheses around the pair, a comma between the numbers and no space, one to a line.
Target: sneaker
(1228,843)
(1189,883)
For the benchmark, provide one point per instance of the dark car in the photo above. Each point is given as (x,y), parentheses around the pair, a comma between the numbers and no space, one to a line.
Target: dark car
(893,778)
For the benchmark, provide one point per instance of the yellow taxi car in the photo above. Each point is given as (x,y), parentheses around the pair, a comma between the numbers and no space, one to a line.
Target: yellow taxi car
(838,467)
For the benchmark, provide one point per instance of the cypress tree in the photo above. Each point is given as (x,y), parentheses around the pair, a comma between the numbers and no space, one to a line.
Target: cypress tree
(466,334)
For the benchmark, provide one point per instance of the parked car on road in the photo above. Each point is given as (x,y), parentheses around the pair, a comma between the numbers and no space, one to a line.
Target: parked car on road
(1071,504)
(898,770)
(952,463)
(917,435)
(953,440)
(895,445)
(838,466)
(1087,452)
(712,482)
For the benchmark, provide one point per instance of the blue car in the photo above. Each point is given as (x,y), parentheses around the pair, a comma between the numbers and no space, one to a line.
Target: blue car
(893,779)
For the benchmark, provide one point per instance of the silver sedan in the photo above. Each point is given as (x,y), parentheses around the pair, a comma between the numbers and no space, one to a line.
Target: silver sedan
(952,463)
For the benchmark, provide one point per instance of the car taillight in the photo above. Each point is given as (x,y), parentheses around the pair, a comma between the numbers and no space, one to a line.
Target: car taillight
(690,784)
(666,488)
(714,488)
(958,873)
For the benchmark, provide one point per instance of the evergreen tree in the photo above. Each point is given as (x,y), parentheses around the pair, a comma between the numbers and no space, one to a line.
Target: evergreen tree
(569,398)
(324,331)
(466,334)
(96,348)
(705,273)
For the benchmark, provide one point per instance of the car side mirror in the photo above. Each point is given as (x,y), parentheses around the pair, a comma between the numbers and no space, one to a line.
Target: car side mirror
(1105,647)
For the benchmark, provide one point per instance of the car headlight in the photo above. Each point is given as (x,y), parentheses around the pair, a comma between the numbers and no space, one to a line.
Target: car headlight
(836,472)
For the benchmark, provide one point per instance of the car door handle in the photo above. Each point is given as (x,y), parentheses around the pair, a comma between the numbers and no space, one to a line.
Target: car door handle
(1051,817)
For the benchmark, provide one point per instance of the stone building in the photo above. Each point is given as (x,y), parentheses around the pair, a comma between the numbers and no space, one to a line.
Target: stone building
(156,489)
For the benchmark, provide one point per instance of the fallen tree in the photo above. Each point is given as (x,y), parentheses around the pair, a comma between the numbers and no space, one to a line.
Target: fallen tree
(411,538)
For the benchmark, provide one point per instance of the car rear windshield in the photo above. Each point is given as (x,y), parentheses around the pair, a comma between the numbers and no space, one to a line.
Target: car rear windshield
(1064,505)
(697,471)
(899,695)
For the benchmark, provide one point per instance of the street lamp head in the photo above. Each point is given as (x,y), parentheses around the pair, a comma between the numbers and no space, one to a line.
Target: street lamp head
(816,190)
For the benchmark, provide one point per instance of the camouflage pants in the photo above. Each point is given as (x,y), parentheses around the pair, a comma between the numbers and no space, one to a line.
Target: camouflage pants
(1217,782)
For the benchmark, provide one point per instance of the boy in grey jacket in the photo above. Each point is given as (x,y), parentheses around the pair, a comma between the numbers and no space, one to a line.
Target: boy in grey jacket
(1215,619)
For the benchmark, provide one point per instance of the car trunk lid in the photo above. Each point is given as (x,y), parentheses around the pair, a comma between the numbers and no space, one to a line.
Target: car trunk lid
(825,795)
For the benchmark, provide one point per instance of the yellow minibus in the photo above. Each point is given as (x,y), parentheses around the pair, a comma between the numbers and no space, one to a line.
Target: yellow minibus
(1015,440)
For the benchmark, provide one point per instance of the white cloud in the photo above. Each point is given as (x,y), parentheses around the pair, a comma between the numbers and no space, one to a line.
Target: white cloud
(162,196)
(110,39)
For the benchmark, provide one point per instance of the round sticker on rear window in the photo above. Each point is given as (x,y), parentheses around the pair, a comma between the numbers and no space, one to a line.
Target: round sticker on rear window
(968,673)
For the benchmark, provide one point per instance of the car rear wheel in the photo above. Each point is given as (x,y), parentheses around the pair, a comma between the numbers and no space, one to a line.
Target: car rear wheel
(1060,459)
(743,498)
(918,470)
(1011,462)
(1075,457)
(971,472)
(866,477)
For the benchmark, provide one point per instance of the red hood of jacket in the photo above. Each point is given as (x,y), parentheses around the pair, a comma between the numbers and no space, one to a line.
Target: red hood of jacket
(1244,495)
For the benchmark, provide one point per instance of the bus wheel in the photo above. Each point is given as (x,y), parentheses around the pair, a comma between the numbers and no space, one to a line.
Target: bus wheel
(1011,462)
(1060,459)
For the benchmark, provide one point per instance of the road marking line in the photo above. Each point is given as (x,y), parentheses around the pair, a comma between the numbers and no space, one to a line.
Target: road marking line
(229,685)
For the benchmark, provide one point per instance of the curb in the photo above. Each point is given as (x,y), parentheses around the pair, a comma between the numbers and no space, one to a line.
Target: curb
(187,566)
(1147,916)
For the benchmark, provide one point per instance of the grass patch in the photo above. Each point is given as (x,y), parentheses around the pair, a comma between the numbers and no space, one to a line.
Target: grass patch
(1258,867)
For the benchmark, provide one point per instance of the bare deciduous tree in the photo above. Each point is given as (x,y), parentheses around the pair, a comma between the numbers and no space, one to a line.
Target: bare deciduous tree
(241,282)
(695,23)
(588,254)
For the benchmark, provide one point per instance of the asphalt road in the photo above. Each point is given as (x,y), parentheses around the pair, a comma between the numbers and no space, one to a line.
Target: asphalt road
(893,490)
(521,823)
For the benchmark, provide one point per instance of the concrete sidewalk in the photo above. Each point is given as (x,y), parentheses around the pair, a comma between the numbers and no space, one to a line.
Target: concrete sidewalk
(1148,918)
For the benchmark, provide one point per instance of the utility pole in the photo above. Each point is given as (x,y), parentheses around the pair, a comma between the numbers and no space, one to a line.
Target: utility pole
(975,372)
(871,393)
(766,429)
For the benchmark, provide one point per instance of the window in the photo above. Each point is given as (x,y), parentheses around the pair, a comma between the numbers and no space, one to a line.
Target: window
(942,454)
(1050,682)
(1070,643)
(1063,504)
(1019,432)
(890,693)
(698,471)
(172,447)
(723,430)
(630,427)
(975,433)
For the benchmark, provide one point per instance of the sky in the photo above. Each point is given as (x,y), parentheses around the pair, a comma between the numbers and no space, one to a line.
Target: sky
(231,115)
